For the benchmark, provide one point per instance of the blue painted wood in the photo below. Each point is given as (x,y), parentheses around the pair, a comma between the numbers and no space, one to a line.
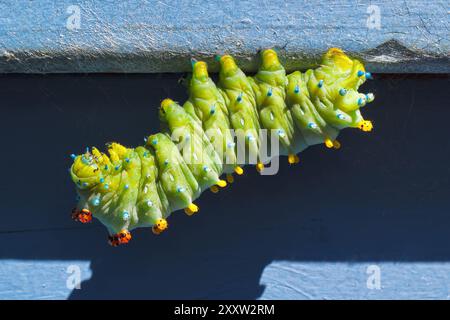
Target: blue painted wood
(263,237)
(162,36)
(50,280)
(41,279)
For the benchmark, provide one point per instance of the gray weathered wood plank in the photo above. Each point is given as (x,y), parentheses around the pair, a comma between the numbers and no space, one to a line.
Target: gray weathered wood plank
(161,36)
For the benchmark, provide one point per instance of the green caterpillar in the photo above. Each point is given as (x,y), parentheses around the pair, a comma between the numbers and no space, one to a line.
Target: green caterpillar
(216,131)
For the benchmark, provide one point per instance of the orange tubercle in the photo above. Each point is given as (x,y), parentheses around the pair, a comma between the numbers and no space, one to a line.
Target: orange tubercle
(123,237)
(83,216)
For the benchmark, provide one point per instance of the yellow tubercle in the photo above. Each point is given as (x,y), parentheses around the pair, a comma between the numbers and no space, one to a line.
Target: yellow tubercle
(214,189)
(333,51)
(191,209)
(97,154)
(80,169)
(225,58)
(293,159)
(200,69)
(269,58)
(227,63)
(113,155)
(105,160)
(222,183)
(119,149)
(166,103)
(230,178)
(365,125)
(337,57)
(100,157)
(329,143)
(259,166)
(161,224)
(239,171)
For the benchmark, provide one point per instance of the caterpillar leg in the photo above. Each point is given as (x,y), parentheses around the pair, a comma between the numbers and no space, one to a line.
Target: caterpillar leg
(336,144)
(123,237)
(239,171)
(220,183)
(160,226)
(113,241)
(332,144)
(83,216)
(191,209)
(259,167)
(293,158)
(365,125)
(118,149)
(329,143)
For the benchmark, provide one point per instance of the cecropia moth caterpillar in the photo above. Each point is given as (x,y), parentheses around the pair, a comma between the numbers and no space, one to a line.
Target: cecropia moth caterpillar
(217,131)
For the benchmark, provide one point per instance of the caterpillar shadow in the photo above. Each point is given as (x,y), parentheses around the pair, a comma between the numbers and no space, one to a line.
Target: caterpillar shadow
(382,197)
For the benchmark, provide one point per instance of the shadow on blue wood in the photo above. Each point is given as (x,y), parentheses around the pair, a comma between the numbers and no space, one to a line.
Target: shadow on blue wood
(382,198)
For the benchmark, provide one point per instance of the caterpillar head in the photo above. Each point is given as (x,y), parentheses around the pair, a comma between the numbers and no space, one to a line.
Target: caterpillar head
(88,168)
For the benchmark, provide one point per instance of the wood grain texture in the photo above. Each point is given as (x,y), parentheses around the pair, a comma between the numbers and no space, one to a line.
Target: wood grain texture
(162,36)
(262,237)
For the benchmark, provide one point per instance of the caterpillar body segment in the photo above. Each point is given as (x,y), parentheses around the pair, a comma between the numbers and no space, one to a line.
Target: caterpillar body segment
(152,203)
(214,133)
(195,147)
(269,86)
(208,105)
(176,179)
(242,108)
